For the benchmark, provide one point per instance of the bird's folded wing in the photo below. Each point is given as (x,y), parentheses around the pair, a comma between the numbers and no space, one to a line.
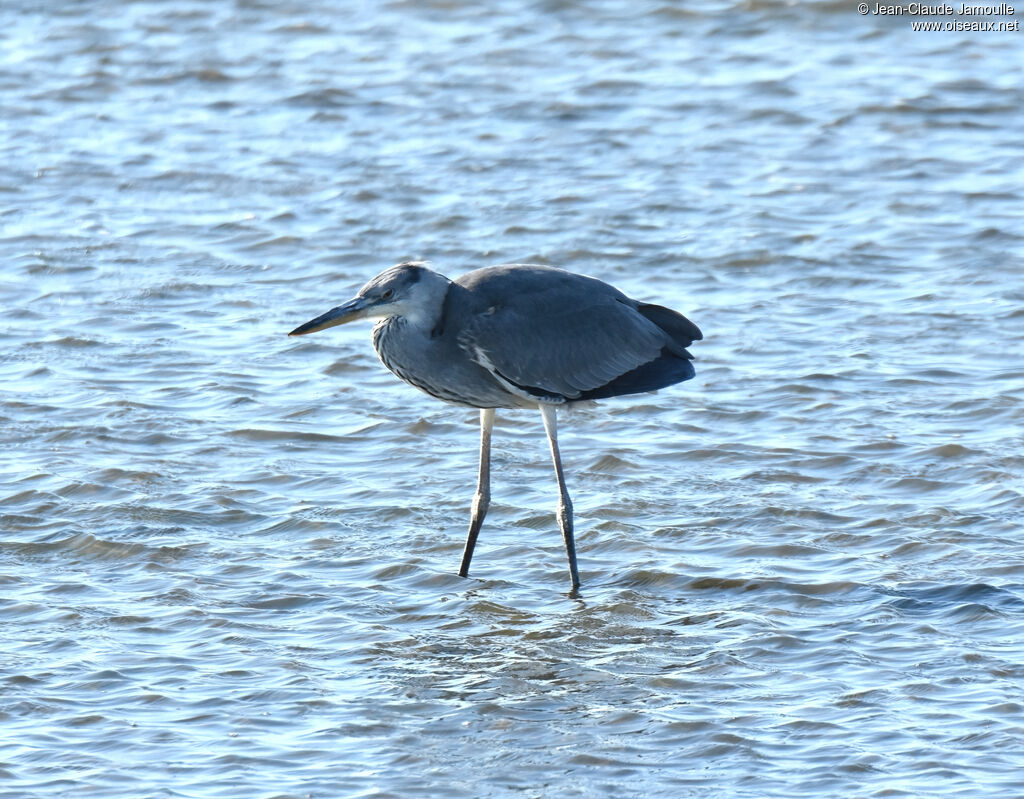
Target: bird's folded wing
(552,345)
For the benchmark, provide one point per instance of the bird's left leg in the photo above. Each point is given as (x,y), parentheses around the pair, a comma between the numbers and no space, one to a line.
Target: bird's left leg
(564,502)
(482,498)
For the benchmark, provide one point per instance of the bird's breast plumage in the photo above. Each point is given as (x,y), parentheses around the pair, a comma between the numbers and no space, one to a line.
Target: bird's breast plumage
(437,366)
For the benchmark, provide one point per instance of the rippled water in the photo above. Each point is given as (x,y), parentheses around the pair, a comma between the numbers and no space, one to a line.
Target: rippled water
(227,557)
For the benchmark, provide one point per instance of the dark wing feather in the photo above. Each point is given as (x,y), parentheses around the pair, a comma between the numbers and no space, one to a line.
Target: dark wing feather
(682,330)
(558,335)
(665,370)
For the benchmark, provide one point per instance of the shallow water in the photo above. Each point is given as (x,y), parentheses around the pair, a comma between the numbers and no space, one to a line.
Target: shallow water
(227,557)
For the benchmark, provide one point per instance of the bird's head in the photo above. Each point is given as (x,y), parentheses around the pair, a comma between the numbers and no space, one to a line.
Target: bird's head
(408,290)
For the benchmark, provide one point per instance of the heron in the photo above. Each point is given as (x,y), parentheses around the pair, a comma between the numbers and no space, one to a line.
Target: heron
(517,336)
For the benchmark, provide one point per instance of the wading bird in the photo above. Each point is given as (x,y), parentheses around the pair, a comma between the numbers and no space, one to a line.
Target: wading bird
(517,336)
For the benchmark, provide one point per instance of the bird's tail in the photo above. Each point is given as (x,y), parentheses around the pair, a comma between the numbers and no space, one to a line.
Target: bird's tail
(681,330)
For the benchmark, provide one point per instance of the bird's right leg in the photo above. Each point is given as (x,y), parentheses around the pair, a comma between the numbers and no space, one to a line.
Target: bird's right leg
(482,498)
(564,501)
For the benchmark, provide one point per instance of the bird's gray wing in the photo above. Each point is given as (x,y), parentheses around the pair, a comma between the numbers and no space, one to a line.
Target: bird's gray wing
(553,334)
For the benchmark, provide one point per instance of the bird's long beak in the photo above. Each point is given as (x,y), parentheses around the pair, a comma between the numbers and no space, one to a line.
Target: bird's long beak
(356,308)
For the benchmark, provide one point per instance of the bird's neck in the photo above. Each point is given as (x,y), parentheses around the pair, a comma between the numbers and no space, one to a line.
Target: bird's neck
(418,318)
(426,310)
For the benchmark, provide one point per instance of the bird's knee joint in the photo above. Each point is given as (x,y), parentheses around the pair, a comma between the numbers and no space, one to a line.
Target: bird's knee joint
(565,516)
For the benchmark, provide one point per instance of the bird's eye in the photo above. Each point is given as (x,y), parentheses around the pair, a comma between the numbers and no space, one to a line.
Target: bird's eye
(388,294)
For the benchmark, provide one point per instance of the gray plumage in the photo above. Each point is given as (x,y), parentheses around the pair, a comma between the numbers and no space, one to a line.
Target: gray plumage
(517,336)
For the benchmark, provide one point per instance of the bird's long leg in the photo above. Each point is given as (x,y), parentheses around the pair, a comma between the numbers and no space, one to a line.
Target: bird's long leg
(564,502)
(482,498)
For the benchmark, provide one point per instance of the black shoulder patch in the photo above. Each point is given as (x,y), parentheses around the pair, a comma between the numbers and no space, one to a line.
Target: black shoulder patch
(439,327)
